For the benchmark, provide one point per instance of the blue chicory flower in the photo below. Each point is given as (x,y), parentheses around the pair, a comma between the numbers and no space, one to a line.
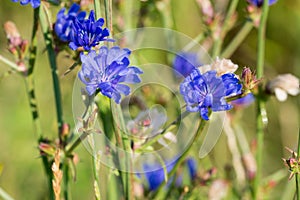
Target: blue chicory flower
(259,3)
(232,84)
(106,72)
(34,3)
(63,24)
(155,177)
(207,92)
(184,63)
(88,33)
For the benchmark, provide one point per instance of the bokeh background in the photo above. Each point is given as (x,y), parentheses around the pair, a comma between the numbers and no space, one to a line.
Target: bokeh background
(23,176)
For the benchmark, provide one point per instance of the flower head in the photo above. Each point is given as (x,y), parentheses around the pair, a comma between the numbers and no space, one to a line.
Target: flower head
(63,24)
(184,63)
(106,72)
(283,85)
(88,33)
(259,3)
(34,3)
(208,91)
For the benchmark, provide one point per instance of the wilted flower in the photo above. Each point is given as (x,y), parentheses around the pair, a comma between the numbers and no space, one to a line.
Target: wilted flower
(282,85)
(106,72)
(221,66)
(184,63)
(88,33)
(208,91)
(259,3)
(34,3)
(63,24)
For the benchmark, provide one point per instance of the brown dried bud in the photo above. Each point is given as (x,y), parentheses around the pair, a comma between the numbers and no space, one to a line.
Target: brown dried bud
(46,149)
(249,80)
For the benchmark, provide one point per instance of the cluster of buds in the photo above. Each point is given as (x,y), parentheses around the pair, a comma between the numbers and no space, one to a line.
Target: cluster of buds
(249,81)
(293,163)
(16,45)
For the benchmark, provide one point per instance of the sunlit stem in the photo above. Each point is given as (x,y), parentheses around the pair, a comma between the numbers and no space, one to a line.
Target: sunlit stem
(261,118)
(97,6)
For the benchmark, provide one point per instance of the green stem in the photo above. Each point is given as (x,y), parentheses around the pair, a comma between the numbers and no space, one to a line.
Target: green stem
(123,140)
(261,110)
(52,59)
(108,15)
(76,143)
(238,39)
(29,76)
(97,7)
(120,130)
(49,173)
(66,179)
(219,41)
(160,191)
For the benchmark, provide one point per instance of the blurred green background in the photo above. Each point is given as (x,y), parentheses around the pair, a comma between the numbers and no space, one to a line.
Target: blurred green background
(23,176)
